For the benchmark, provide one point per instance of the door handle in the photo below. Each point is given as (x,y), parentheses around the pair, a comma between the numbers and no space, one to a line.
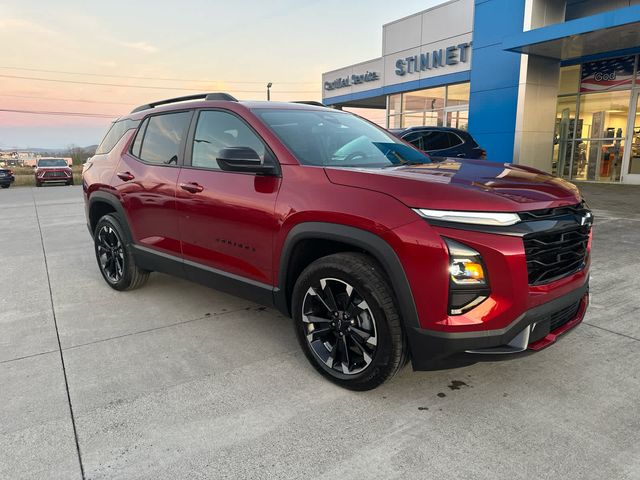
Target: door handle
(460,155)
(126,176)
(192,187)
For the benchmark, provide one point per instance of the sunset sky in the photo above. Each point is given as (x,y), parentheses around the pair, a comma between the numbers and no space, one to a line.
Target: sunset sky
(57,56)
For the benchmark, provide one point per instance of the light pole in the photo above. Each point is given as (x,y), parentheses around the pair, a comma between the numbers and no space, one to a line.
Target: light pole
(269,91)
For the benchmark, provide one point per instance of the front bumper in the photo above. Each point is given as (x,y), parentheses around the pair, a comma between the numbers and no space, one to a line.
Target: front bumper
(54,180)
(535,329)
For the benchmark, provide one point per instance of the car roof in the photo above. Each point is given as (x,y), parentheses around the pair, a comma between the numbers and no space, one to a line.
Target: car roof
(426,127)
(206,101)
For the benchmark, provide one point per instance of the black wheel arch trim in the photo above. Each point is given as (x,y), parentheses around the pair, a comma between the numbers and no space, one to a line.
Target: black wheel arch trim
(362,239)
(113,201)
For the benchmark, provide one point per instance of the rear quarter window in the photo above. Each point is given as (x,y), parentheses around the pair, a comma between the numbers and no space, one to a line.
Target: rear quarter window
(114,135)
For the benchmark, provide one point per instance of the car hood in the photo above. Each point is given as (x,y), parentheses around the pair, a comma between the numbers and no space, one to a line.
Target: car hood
(454,184)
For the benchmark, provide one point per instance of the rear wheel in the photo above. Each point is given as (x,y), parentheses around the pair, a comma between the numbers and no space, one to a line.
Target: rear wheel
(347,322)
(115,257)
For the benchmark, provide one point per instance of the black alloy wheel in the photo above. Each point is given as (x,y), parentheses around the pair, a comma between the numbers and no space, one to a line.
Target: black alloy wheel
(347,322)
(341,329)
(110,254)
(114,255)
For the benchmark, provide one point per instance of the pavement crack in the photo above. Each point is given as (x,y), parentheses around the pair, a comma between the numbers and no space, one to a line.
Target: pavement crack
(612,331)
(182,322)
(27,356)
(55,323)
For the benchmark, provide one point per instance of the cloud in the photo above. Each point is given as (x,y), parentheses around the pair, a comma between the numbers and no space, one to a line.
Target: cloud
(23,26)
(142,46)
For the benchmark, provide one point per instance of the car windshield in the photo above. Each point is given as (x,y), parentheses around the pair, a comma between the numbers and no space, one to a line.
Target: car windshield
(338,139)
(52,162)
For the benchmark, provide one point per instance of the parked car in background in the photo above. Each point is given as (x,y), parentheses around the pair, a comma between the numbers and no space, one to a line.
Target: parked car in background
(379,254)
(53,170)
(6,177)
(441,141)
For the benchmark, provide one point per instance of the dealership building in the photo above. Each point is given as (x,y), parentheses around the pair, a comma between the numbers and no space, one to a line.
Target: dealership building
(552,84)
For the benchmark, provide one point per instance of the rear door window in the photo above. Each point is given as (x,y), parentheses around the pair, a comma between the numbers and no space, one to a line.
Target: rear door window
(435,140)
(114,134)
(454,140)
(163,137)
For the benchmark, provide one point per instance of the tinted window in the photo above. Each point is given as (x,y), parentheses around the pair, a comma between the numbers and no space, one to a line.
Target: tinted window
(114,135)
(331,138)
(137,143)
(414,139)
(217,130)
(436,140)
(163,137)
(52,162)
(454,140)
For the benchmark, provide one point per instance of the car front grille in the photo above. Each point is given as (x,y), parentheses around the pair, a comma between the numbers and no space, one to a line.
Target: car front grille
(560,251)
(55,174)
(563,316)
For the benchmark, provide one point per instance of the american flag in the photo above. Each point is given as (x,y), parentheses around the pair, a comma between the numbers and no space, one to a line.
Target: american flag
(605,75)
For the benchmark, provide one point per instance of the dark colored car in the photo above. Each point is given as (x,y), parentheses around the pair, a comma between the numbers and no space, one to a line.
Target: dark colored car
(53,170)
(6,177)
(442,141)
(378,254)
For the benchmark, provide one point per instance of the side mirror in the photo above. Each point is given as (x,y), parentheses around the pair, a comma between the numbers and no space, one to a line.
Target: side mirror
(243,159)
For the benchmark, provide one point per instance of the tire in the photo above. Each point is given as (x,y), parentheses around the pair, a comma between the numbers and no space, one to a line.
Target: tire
(6,185)
(115,257)
(38,184)
(365,317)
(70,183)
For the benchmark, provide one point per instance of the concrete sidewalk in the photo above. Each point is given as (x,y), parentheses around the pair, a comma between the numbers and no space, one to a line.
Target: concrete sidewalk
(179,381)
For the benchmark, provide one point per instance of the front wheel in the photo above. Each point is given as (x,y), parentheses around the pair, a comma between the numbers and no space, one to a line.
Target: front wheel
(6,185)
(115,257)
(347,322)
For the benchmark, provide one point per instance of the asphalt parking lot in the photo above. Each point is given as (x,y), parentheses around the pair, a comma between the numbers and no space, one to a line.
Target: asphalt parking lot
(179,381)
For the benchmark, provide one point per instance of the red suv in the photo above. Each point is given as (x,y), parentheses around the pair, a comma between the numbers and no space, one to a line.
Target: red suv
(53,170)
(379,254)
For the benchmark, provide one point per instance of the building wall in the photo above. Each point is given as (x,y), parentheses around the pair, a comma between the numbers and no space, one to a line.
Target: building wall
(495,77)
(447,25)
(537,93)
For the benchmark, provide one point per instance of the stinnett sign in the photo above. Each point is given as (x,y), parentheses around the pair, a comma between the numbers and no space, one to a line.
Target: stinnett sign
(441,57)
(354,79)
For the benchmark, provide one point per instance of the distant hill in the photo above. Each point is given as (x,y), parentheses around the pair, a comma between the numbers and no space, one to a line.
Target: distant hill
(91,150)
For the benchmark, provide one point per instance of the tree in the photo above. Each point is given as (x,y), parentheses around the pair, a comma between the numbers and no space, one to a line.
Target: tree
(78,154)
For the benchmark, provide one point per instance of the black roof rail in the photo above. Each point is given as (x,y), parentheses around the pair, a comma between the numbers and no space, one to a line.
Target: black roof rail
(199,96)
(310,102)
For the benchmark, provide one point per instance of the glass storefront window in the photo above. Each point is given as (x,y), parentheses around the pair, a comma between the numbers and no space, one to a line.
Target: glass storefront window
(563,134)
(458,94)
(634,158)
(599,160)
(604,115)
(395,104)
(569,80)
(458,119)
(418,101)
(431,107)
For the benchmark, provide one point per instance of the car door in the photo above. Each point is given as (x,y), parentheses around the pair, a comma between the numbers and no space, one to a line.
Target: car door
(226,219)
(146,179)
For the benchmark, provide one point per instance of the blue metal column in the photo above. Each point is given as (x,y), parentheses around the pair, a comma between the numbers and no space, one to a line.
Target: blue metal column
(494,77)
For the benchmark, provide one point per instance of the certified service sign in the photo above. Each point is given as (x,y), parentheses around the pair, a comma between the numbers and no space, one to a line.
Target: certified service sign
(354,79)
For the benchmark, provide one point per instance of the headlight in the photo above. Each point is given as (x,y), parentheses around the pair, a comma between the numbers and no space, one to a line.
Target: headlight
(468,283)
(475,218)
